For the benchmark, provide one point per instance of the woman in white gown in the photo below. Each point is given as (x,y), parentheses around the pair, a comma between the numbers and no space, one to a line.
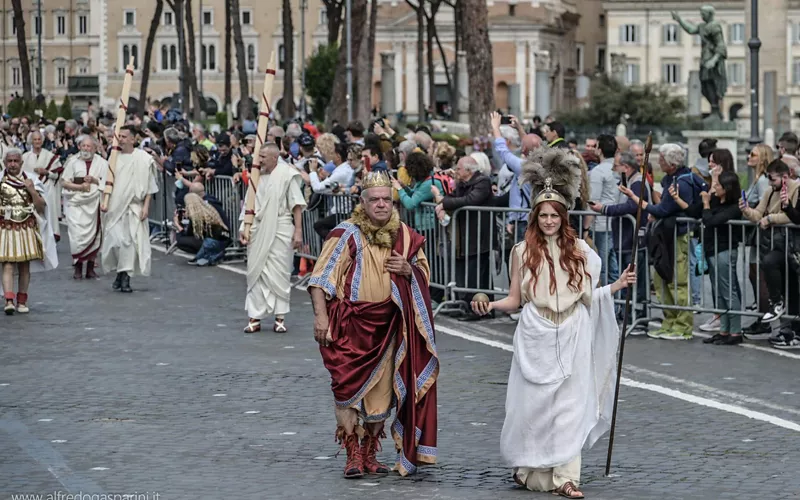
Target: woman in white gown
(561,384)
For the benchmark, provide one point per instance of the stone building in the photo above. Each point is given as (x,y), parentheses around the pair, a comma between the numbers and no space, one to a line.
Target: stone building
(541,51)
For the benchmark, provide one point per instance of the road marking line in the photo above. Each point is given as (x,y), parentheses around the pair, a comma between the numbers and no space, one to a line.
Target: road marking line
(710,403)
(746,345)
(741,398)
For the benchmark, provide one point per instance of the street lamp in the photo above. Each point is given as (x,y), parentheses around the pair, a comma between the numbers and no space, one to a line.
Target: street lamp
(349,66)
(754,44)
(303,7)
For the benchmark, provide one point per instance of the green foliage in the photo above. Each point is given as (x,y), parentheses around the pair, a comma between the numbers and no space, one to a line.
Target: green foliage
(222,119)
(610,99)
(66,109)
(454,140)
(51,113)
(320,72)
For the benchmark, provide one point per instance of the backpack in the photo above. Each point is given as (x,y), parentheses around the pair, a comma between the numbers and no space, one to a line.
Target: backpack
(446,181)
(698,186)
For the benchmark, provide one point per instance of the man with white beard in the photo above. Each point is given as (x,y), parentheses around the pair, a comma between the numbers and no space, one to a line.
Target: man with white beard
(83,180)
(48,167)
(126,242)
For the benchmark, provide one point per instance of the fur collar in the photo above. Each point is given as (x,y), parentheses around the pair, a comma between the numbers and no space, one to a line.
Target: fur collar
(384,236)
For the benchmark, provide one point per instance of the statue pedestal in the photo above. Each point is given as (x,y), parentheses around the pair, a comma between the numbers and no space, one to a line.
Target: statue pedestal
(726,139)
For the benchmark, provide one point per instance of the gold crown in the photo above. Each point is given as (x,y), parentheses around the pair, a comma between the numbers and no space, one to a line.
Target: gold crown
(375,179)
(549,194)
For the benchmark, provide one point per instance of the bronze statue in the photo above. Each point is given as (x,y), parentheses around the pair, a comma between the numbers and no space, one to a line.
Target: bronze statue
(713,78)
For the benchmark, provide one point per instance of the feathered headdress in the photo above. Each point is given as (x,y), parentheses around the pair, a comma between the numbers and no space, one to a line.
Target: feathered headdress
(554,175)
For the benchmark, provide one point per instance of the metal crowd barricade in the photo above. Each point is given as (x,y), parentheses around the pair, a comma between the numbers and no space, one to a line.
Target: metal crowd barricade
(748,254)
(230,195)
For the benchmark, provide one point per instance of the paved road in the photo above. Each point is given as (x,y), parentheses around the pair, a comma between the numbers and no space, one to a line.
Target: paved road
(159,391)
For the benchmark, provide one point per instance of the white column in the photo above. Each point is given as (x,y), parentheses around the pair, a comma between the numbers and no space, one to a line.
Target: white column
(521,75)
(411,80)
(397,48)
(531,78)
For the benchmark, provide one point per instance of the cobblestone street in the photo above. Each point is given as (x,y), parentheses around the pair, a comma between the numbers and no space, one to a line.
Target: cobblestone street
(160,391)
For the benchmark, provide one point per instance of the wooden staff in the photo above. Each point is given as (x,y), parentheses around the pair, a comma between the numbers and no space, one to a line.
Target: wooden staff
(635,248)
(121,115)
(261,135)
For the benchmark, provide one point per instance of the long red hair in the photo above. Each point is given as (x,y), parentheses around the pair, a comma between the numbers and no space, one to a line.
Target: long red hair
(572,259)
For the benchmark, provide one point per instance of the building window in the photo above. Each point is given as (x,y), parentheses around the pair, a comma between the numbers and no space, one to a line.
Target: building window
(601,20)
(62,76)
(512,9)
(83,24)
(579,59)
(173,57)
(169,57)
(629,34)
(208,57)
(736,73)
(83,69)
(168,21)
(61,25)
(281,57)
(796,71)
(127,52)
(736,35)
(601,59)
(130,17)
(672,34)
(247,17)
(251,56)
(208,17)
(37,25)
(16,76)
(671,73)
(323,15)
(631,74)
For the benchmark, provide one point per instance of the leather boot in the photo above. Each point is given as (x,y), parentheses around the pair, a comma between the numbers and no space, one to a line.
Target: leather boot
(370,445)
(78,271)
(90,274)
(354,468)
(117,282)
(125,284)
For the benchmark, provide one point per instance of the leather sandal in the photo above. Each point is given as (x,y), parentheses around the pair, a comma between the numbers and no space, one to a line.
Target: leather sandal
(279,326)
(568,490)
(253,326)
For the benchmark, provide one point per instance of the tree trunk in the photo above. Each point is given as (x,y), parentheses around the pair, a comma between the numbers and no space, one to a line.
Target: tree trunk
(197,107)
(458,42)
(178,7)
(420,65)
(288,62)
(337,109)
(367,61)
(479,65)
(431,29)
(148,53)
(228,71)
(24,62)
(333,11)
(245,108)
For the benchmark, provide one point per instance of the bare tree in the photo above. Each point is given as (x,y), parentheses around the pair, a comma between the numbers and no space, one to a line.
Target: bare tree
(22,46)
(333,12)
(430,21)
(197,106)
(148,53)
(479,65)
(245,109)
(288,61)
(337,108)
(367,61)
(419,8)
(228,30)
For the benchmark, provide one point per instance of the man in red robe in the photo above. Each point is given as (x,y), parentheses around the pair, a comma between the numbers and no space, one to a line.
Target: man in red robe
(374,324)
